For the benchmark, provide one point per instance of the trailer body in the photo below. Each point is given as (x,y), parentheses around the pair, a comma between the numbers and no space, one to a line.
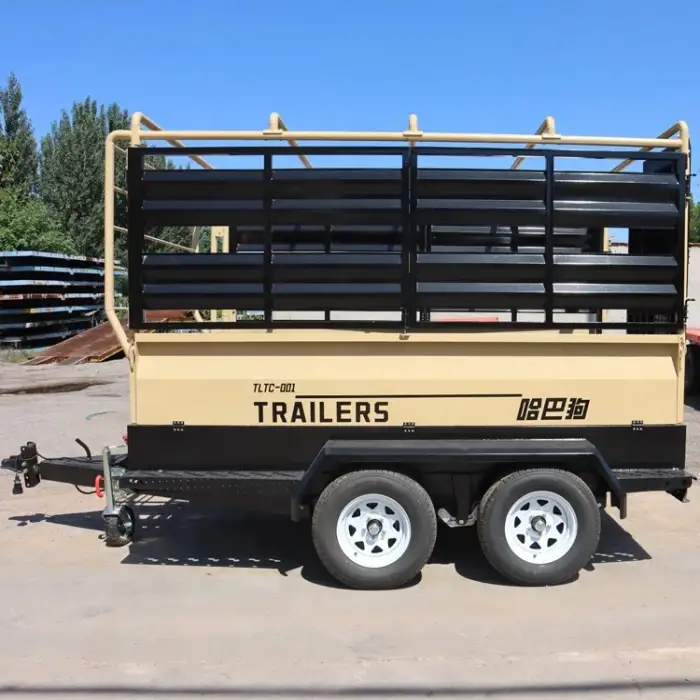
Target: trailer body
(329,361)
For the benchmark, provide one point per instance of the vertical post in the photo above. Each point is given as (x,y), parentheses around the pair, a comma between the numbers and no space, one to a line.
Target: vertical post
(684,264)
(413,228)
(327,249)
(681,247)
(549,241)
(213,248)
(423,233)
(267,256)
(217,237)
(601,314)
(227,315)
(408,239)
(107,478)
(514,248)
(114,322)
(135,237)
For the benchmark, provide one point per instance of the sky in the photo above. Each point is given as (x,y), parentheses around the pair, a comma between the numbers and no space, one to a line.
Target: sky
(600,67)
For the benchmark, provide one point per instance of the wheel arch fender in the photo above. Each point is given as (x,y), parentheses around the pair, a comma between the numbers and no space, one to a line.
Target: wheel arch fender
(453,456)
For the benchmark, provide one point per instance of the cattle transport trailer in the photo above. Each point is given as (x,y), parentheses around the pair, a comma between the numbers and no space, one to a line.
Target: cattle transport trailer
(328,361)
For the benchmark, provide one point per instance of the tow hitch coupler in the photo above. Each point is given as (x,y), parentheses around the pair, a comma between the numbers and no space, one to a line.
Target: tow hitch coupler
(26,463)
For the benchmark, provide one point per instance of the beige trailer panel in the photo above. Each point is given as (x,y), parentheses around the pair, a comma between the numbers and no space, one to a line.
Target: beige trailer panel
(300,378)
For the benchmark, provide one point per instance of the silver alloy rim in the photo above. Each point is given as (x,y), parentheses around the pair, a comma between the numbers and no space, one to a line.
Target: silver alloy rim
(373,531)
(541,527)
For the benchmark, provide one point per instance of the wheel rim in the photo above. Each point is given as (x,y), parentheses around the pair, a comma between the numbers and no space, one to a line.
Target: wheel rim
(541,527)
(126,523)
(373,531)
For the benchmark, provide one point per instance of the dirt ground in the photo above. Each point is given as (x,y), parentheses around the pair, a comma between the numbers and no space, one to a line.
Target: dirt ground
(214,604)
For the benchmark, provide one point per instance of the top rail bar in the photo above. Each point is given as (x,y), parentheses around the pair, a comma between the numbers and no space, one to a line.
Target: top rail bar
(424,149)
(400,136)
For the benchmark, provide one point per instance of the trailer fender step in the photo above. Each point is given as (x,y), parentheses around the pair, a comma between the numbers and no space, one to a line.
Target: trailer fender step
(673,481)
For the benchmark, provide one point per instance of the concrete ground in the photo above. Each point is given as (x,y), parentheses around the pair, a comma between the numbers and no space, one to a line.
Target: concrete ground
(219,605)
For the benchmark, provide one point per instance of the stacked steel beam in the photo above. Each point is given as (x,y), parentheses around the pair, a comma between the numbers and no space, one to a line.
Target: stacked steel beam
(47,297)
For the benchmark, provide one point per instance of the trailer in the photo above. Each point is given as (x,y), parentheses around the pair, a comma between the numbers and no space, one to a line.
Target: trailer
(402,331)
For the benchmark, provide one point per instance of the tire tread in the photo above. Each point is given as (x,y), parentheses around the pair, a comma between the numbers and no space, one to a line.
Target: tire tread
(497,488)
(396,578)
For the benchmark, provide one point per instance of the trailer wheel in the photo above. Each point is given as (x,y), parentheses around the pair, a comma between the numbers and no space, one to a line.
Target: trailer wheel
(539,526)
(120,529)
(374,529)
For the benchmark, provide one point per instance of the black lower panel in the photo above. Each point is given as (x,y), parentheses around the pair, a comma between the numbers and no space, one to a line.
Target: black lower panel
(286,448)
(267,491)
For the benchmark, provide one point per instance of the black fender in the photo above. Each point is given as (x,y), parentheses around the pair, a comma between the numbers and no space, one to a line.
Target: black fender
(456,456)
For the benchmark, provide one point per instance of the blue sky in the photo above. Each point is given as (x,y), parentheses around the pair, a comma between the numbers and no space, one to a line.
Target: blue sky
(609,67)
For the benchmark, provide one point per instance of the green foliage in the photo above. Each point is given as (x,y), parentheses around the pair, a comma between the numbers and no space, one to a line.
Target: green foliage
(71,180)
(26,224)
(18,152)
(694,222)
(205,239)
(68,177)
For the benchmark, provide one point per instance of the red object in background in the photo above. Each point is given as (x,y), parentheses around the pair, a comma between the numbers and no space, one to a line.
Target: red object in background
(693,335)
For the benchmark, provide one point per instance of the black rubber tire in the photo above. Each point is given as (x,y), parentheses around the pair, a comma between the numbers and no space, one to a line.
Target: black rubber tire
(418,506)
(121,530)
(494,508)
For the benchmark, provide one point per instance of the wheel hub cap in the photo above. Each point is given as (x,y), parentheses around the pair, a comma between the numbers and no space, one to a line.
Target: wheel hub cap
(373,531)
(538,524)
(374,527)
(541,527)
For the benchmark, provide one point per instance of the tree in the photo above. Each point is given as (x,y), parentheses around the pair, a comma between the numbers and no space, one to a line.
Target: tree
(18,149)
(25,224)
(71,175)
(71,180)
(694,222)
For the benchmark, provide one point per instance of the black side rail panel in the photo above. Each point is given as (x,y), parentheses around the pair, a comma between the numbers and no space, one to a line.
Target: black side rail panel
(412,237)
(456,455)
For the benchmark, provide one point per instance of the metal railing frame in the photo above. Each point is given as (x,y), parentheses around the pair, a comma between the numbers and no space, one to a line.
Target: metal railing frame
(278,131)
